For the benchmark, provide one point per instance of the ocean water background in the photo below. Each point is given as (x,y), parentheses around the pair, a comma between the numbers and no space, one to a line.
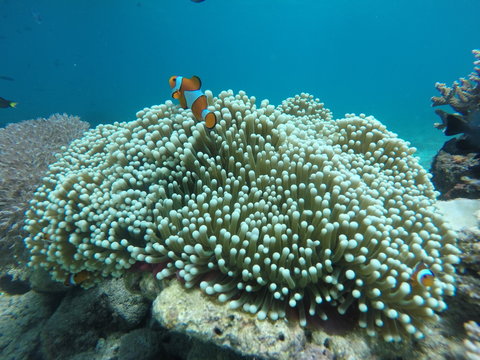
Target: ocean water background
(105,60)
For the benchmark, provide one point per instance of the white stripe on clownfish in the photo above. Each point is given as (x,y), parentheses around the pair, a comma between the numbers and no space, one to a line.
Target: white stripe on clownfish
(423,276)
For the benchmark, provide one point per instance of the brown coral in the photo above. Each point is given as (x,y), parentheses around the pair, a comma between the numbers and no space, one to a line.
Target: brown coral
(464,95)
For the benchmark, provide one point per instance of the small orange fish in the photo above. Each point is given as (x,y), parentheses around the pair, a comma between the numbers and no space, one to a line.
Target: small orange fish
(78,278)
(422,276)
(188,92)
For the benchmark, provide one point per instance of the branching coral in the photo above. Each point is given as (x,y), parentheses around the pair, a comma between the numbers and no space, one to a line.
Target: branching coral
(275,210)
(26,150)
(464,98)
(464,95)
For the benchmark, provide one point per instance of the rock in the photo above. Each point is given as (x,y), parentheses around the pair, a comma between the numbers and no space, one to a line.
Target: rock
(127,308)
(41,281)
(76,325)
(21,320)
(203,350)
(13,286)
(466,302)
(448,168)
(142,283)
(190,312)
(85,316)
(176,344)
(314,352)
(221,333)
(141,344)
(465,305)
(105,349)
(462,214)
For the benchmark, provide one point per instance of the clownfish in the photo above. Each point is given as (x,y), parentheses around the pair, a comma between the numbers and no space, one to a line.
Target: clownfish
(77,279)
(422,276)
(188,92)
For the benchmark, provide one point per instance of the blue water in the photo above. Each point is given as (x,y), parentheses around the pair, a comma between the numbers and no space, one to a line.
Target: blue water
(105,60)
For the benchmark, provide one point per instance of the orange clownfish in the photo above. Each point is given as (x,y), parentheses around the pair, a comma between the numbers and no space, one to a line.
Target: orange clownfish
(423,276)
(77,279)
(188,92)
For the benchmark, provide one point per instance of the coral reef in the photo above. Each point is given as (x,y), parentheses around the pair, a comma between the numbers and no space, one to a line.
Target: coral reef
(282,212)
(451,168)
(26,150)
(456,168)
(464,98)
(464,95)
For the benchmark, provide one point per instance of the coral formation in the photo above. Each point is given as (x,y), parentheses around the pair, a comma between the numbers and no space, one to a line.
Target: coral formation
(463,97)
(277,210)
(26,150)
(456,168)
(450,170)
